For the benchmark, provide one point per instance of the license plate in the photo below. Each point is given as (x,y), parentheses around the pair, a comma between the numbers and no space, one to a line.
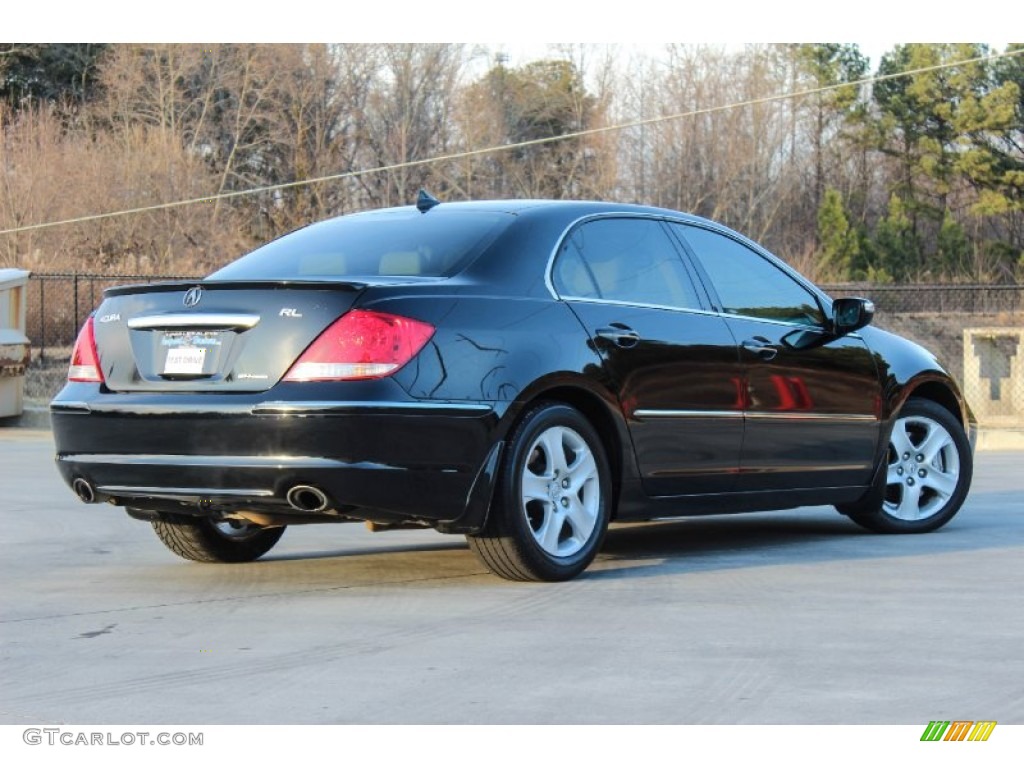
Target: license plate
(185,360)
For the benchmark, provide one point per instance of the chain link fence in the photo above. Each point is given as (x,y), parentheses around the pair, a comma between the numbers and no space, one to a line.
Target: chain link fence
(977,331)
(58,304)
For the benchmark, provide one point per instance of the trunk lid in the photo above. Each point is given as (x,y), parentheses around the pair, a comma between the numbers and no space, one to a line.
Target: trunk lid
(213,336)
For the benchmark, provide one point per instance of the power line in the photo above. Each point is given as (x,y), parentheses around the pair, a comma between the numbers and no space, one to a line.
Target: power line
(517,145)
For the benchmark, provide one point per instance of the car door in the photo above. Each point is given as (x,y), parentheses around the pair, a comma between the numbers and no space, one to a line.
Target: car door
(672,363)
(812,399)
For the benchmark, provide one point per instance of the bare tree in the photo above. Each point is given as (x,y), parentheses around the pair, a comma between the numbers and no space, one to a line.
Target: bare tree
(530,108)
(408,119)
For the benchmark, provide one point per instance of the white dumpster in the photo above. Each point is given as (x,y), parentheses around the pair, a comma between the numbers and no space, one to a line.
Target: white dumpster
(14,344)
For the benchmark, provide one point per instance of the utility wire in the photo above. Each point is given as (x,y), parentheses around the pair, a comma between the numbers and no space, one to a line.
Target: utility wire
(517,145)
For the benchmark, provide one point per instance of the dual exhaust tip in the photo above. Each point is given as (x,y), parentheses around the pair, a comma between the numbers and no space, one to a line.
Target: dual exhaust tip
(83,490)
(304,498)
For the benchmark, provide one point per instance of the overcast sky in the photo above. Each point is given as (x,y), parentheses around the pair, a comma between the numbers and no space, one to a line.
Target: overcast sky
(737,21)
(519,52)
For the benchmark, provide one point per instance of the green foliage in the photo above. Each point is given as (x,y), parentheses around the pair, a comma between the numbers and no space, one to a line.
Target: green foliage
(540,99)
(536,102)
(878,275)
(923,115)
(953,248)
(61,73)
(896,246)
(997,168)
(839,242)
(866,266)
(957,133)
(831,64)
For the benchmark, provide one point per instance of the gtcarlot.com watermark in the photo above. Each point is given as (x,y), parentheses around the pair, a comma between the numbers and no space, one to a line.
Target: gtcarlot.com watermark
(68,738)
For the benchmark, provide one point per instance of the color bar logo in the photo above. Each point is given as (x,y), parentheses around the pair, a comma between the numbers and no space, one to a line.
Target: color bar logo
(958,730)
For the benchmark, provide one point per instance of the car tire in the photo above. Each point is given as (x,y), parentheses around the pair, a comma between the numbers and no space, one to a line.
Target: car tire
(553,499)
(928,472)
(208,541)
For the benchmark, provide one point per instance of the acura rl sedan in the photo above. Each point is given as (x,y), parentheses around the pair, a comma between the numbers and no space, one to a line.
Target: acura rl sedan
(520,372)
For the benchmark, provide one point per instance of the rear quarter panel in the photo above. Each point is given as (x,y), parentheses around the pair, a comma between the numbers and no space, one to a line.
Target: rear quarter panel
(492,349)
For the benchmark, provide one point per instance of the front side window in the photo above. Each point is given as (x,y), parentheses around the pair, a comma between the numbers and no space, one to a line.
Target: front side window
(628,260)
(749,284)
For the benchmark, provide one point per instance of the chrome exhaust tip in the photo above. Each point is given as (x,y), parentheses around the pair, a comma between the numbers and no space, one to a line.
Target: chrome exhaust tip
(83,490)
(306,498)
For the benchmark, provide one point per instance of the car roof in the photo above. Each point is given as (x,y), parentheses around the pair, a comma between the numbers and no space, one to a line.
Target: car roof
(528,205)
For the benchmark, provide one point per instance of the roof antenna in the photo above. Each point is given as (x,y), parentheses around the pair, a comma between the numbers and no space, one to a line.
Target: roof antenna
(425,201)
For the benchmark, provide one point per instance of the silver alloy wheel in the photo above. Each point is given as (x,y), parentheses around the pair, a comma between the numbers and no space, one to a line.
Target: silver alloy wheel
(561,491)
(923,471)
(236,530)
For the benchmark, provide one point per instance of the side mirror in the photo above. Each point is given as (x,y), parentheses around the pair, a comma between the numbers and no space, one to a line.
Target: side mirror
(852,314)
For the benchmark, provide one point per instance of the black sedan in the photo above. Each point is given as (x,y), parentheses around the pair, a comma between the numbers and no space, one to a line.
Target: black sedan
(521,372)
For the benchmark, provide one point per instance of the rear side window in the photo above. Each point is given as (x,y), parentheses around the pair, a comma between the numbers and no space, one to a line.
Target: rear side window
(397,243)
(628,260)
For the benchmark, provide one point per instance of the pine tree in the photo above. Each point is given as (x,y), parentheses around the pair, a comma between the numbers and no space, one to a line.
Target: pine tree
(953,248)
(897,248)
(839,245)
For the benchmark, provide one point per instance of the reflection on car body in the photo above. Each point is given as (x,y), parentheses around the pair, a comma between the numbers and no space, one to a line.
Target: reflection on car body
(521,372)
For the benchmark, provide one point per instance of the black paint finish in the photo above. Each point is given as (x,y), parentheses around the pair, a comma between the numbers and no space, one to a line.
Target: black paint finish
(701,410)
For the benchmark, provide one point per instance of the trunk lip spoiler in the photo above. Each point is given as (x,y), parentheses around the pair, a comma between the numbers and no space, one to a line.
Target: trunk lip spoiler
(244,285)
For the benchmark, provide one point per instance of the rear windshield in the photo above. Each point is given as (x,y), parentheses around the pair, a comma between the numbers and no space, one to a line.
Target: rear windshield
(393,243)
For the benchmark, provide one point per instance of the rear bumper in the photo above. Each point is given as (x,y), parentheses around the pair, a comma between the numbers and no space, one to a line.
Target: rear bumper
(375,459)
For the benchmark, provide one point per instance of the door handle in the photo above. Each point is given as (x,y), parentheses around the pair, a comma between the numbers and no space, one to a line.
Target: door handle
(761,347)
(620,335)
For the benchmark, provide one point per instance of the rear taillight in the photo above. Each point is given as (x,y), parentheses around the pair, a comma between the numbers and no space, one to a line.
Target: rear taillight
(361,345)
(85,363)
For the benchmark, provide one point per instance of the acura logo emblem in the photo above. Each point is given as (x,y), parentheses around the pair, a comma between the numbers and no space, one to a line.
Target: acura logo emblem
(192,296)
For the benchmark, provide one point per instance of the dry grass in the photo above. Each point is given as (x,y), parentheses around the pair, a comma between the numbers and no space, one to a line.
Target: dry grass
(45,378)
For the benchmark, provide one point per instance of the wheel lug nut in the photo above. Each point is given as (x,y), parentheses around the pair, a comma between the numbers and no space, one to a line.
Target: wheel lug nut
(921,473)
(906,456)
(899,470)
(565,502)
(920,457)
(910,481)
(565,483)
